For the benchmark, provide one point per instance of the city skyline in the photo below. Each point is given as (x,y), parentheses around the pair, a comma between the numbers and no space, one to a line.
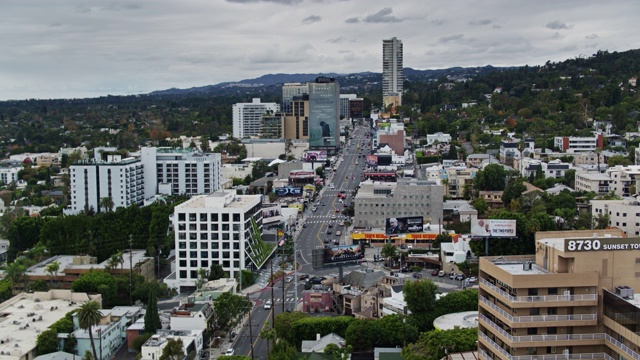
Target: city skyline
(71,48)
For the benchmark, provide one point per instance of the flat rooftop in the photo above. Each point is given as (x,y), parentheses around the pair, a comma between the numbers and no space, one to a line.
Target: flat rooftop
(221,199)
(464,320)
(66,263)
(26,315)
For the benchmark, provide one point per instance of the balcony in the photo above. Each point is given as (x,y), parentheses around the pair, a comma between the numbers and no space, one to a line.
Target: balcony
(586,356)
(524,321)
(544,340)
(545,300)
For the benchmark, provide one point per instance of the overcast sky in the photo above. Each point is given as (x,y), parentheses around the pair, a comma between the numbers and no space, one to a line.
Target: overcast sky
(83,48)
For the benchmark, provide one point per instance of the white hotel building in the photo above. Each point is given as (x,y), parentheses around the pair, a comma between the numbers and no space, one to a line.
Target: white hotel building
(247,117)
(221,227)
(120,179)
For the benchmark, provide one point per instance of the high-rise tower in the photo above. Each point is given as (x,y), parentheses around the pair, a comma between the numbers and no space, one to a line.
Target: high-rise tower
(392,77)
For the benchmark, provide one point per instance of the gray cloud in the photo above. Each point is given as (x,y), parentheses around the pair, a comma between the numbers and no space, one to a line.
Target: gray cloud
(382,16)
(482,22)
(558,25)
(283,2)
(446,39)
(591,37)
(337,40)
(311,19)
(352,20)
(438,22)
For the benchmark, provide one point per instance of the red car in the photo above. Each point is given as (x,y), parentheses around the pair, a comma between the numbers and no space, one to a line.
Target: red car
(337,210)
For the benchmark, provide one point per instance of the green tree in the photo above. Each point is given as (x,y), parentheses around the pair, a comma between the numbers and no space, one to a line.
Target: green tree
(453,153)
(284,323)
(260,168)
(230,309)
(338,353)
(420,297)
(106,204)
(442,238)
(89,316)
(15,272)
(52,270)
(601,221)
(216,272)
(174,350)
(514,189)
(437,344)
(268,334)
(151,316)
(283,350)
(491,178)
(88,356)
(480,205)
(389,252)
(570,177)
(618,160)
(202,278)
(97,281)
(47,342)
(140,340)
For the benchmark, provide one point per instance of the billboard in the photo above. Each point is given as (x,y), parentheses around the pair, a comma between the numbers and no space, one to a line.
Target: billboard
(324,113)
(288,191)
(372,160)
(301,174)
(269,212)
(343,253)
(320,155)
(402,225)
(493,228)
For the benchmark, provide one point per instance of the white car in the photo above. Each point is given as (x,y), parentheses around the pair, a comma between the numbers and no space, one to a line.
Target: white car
(333,217)
(338,233)
(229,352)
(288,279)
(267,305)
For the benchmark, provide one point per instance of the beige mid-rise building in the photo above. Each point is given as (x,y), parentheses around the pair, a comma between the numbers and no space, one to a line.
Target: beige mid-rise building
(573,299)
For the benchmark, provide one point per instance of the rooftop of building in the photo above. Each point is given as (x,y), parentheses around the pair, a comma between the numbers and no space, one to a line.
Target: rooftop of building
(593,176)
(163,335)
(26,315)
(221,199)
(71,262)
(518,265)
(125,161)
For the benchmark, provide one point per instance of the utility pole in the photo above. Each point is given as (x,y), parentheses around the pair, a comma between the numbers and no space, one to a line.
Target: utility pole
(285,236)
(295,273)
(131,270)
(250,326)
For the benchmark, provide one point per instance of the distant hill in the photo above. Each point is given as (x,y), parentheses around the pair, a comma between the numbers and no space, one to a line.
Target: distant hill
(363,77)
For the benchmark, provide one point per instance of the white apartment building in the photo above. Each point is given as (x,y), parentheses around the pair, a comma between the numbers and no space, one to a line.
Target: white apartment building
(624,179)
(623,214)
(247,117)
(593,181)
(344,104)
(439,137)
(552,169)
(9,172)
(192,340)
(190,316)
(571,144)
(223,228)
(392,69)
(180,171)
(120,179)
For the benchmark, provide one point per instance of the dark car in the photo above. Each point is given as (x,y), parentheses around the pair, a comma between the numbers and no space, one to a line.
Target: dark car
(434,272)
(304,276)
(328,232)
(459,277)
(304,225)
(330,226)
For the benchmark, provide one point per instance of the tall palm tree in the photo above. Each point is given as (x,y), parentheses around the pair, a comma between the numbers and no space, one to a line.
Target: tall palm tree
(52,269)
(269,334)
(106,203)
(88,316)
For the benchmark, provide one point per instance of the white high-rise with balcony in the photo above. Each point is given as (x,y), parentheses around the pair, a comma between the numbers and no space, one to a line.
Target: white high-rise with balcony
(247,117)
(392,76)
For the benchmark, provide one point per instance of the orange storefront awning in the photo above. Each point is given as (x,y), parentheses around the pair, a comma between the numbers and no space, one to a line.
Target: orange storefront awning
(421,236)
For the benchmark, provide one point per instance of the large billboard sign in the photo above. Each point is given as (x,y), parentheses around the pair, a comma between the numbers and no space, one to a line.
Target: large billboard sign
(493,228)
(403,225)
(288,191)
(372,160)
(271,211)
(301,174)
(601,244)
(343,253)
(320,155)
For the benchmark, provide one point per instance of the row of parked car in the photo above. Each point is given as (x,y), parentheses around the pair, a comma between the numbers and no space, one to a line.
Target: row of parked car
(454,276)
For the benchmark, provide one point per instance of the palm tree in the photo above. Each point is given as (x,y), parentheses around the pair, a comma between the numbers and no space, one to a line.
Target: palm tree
(106,203)
(269,334)
(15,273)
(52,269)
(88,316)
(389,252)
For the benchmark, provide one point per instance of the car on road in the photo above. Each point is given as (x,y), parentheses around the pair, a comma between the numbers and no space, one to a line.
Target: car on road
(473,279)
(288,279)
(337,210)
(434,272)
(304,225)
(338,233)
(229,352)
(330,225)
(333,217)
(326,241)
(304,276)
(441,273)
(268,304)
(409,246)
(323,204)
(460,277)
(341,223)
(328,232)
(345,205)
(314,209)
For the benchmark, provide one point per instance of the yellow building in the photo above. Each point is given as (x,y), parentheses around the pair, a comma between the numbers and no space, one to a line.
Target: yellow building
(573,299)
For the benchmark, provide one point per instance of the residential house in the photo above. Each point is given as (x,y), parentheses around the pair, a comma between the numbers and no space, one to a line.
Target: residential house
(492,198)
(192,340)
(192,316)
(318,345)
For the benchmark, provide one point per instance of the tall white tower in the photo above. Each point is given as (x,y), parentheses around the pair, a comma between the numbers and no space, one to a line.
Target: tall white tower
(392,77)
